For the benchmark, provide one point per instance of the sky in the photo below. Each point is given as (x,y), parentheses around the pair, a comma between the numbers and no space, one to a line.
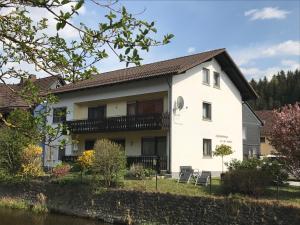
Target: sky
(263,37)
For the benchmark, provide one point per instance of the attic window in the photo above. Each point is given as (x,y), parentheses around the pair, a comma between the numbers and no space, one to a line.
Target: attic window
(205,79)
(216,80)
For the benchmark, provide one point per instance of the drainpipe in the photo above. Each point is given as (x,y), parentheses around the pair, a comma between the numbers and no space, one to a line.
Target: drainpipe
(169,82)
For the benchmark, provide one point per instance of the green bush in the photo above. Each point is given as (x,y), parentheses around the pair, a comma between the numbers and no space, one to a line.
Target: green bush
(137,171)
(273,168)
(109,163)
(252,176)
(19,131)
(245,181)
(149,172)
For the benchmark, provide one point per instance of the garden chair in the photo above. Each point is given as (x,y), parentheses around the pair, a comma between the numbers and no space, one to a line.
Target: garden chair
(204,178)
(186,174)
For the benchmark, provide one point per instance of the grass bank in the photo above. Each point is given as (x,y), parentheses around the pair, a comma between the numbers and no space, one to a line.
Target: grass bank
(20,203)
(286,194)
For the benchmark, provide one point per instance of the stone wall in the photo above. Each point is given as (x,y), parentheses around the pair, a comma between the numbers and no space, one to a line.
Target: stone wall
(154,208)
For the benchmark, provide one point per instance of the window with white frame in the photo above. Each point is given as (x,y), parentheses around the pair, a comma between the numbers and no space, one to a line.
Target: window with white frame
(205,78)
(59,114)
(206,107)
(207,148)
(216,80)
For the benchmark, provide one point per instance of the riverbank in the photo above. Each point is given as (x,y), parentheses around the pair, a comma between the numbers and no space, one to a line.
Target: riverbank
(138,207)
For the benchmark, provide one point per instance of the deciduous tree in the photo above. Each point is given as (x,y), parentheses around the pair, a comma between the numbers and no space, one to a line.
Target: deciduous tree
(285,136)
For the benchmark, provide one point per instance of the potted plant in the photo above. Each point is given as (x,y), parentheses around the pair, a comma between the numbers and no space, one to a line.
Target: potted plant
(223,150)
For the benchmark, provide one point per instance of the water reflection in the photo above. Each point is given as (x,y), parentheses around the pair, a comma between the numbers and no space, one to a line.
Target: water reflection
(19,217)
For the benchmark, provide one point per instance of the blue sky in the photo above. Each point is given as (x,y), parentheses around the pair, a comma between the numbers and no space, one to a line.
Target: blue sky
(263,37)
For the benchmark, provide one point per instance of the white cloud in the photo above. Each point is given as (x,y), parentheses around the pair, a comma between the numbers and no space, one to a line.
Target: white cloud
(256,73)
(37,14)
(247,55)
(191,49)
(266,13)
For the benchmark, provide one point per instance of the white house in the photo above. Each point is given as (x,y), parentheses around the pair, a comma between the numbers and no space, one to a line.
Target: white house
(178,109)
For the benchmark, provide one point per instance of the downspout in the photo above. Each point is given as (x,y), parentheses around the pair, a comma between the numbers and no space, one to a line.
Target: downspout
(169,82)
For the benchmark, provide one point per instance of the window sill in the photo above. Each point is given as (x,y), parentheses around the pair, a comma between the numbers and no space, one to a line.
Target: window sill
(207,84)
(217,87)
(207,157)
(207,119)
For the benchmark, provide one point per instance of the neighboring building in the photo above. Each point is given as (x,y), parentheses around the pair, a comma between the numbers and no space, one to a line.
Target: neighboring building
(178,109)
(10,100)
(267,117)
(251,132)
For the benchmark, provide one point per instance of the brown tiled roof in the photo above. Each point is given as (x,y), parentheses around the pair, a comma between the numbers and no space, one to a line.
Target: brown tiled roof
(267,117)
(163,68)
(10,99)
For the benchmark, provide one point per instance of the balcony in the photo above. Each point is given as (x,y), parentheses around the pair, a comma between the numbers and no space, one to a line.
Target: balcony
(121,123)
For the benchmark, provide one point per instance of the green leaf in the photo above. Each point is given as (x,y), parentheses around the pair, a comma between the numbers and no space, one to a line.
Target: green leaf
(127,51)
(79,4)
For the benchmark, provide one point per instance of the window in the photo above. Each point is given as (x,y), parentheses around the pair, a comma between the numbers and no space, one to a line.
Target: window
(131,108)
(244,133)
(148,146)
(97,113)
(207,148)
(150,107)
(119,141)
(59,115)
(154,146)
(206,111)
(61,153)
(216,79)
(205,76)
(262,139)
(89,144)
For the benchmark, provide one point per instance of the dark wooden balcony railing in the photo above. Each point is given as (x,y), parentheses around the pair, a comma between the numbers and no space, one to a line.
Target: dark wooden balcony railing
(121,123)
(149,162)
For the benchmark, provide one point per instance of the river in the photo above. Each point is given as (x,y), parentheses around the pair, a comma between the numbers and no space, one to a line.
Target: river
(20,217)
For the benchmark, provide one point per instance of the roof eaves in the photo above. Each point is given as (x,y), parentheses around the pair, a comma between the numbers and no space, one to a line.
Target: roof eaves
(57,91)
(248,105)
(190,66)
(242,76)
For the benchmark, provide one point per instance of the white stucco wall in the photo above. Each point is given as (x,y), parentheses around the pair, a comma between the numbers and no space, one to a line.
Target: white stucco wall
(188,127)
(114,108)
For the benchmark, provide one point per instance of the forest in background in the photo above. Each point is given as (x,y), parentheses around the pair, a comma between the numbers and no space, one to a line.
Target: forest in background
(282,89)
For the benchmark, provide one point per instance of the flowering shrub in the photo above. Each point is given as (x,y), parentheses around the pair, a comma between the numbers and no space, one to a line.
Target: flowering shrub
(284,136)
(86,160)
(61,170)
(31,161)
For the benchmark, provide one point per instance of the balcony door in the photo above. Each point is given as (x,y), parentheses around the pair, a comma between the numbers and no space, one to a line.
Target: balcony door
(97,113)
(145,107)
(150,107)
(152,146)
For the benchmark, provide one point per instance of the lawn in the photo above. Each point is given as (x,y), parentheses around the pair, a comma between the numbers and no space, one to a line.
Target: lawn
(287,194)
(173,187)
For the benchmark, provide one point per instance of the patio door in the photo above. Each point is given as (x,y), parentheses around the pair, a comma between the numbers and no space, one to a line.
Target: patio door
(152,146)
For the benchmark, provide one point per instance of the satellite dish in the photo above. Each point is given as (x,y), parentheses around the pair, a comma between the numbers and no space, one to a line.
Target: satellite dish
(180,102)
